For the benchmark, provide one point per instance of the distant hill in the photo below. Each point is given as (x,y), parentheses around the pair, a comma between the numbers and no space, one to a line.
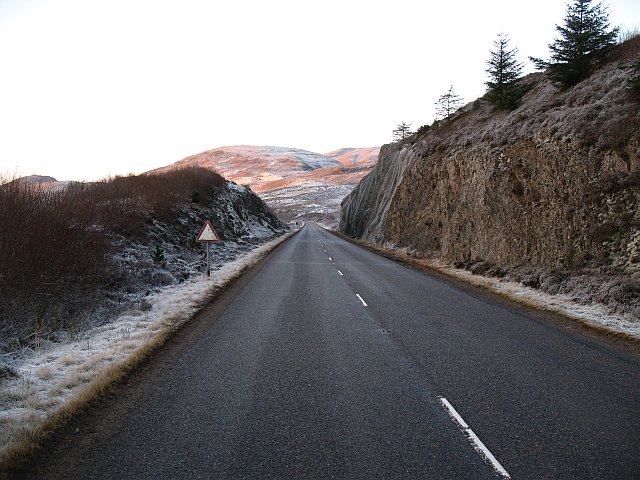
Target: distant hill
(42,181)
(295,183)
(268,168)
(355,156)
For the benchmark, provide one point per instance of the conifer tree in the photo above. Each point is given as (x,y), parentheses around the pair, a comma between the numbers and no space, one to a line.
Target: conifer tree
(584,39)
(503,91)
(158,255)
(447,104)
(402,131)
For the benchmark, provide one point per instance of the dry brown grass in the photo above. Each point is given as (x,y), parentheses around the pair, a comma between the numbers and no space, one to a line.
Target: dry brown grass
(27,435)
(44,372)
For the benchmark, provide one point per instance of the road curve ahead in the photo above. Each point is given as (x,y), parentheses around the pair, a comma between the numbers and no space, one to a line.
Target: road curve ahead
(332,362)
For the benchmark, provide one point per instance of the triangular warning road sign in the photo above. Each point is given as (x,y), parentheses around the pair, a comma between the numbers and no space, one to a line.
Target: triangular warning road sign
(208,234)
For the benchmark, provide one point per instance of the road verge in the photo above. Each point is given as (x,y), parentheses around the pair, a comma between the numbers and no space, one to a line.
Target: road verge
(48,387)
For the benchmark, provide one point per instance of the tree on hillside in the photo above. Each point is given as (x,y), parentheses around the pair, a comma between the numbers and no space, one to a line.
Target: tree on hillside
(503,91)
(584,39)
(402,131)
(447,104)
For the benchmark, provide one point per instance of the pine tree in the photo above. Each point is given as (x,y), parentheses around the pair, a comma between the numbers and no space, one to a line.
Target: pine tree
(447,104)
(402,131)
(584,40)
(503,91)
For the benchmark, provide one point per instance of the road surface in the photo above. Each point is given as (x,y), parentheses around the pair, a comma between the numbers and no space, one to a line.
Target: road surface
(332,362)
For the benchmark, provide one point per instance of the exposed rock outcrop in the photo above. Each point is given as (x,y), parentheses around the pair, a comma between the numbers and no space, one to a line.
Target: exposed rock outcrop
(555,182)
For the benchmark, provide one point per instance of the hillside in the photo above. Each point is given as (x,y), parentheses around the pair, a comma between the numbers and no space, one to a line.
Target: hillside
(553,185)
(75,257)
(296,184)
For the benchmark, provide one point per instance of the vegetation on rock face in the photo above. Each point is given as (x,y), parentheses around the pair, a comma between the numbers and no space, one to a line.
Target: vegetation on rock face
(584,40)
(503,90)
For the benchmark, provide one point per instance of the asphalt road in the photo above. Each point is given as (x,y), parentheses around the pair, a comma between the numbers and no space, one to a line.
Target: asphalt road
(332,362)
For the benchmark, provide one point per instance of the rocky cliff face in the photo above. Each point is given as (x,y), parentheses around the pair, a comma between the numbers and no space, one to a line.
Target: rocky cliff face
(554,183)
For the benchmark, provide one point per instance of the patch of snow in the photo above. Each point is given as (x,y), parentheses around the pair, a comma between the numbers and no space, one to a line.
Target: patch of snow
(236,187)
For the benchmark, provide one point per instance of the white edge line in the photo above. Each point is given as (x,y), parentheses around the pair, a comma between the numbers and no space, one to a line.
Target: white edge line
(363,302)
(477,443)
(340,272)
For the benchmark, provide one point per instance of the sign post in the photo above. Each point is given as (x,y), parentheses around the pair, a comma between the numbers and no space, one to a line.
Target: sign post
(208,235)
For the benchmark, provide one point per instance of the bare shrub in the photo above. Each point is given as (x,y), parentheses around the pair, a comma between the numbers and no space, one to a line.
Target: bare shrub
(57,245)
(603,285)
(124,204)
(619,291)
(629,46)
(51,259)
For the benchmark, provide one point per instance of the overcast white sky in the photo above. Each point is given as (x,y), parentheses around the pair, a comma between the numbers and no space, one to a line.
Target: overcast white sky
(91,88)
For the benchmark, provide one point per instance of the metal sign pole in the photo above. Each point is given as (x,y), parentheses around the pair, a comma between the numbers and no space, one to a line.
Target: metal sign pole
(208,259)
(208,235)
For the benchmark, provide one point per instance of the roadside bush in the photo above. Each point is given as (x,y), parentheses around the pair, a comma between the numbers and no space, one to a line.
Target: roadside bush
(52,259)
(124,204)
(57,246)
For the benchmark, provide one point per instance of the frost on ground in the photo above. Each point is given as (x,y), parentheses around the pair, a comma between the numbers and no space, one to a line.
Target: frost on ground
(37,385)
(609,303)
(309,201)
(595,314)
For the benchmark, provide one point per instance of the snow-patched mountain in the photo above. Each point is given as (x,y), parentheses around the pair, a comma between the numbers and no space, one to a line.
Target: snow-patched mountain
(256,167)
(297,184)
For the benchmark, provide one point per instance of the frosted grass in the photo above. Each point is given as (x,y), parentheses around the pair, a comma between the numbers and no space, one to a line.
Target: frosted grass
(58,373)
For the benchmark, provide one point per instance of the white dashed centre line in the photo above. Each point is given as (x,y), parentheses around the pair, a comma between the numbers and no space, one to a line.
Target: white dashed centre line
(330,259)
(340,273)
(477,443)
(363,302)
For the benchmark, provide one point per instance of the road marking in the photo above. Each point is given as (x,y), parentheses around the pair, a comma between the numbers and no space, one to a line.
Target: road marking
(363,302)
(340,273)
(477,443)
(330,259)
